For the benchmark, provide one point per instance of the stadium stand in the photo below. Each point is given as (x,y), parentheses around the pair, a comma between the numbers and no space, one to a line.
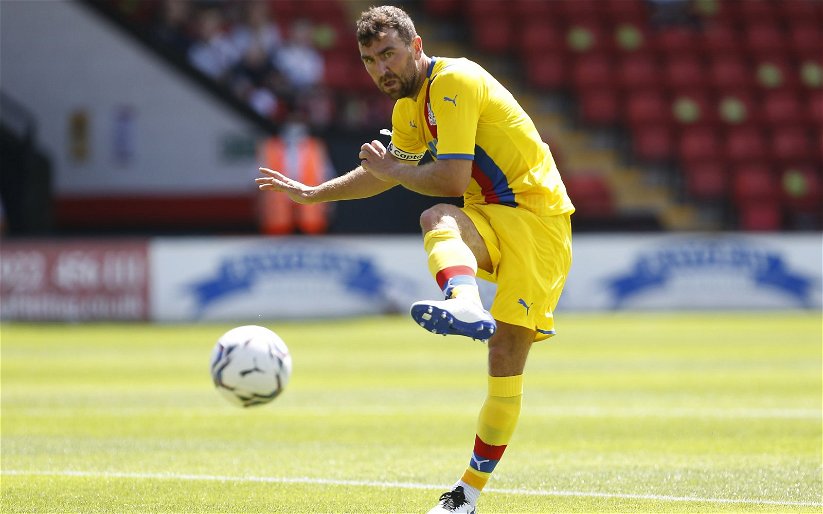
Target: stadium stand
(694,95)
(725,95)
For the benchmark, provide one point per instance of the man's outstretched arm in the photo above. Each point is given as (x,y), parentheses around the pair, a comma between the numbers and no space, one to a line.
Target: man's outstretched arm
(358,183)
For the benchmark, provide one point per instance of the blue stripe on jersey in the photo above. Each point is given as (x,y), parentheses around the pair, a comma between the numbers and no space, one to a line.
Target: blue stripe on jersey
(546,332)
(496,178)
(461,156)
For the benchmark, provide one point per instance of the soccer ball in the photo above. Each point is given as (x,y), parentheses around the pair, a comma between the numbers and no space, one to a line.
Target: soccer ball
(250,365)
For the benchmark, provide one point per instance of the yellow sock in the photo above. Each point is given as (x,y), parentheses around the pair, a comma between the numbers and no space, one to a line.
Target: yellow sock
(452,263)
(495,426)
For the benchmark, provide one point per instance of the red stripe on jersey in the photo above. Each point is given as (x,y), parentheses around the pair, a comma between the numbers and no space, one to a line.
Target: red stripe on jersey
(488,451)
(445,274)
(485,183)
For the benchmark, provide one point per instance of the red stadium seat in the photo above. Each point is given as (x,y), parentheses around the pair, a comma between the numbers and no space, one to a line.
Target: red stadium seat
(693,106)
(675,41)
(599,106)
(548,72)
(626,11)
(525,11)
(591,194)
(754,183)
(802,189)
(581,11)
(805,39)
(442,8)
(737,107)
(653,142)
(730,71)
(683,71)
(706,180)
(790,145)
(699,143)
(764,38)
(592,70)
(745,144)
(719,40)
(756,11)
(638,70)
(537,37)
(492,35)
(782,108)
(760,217)
(798,11)
(647,106)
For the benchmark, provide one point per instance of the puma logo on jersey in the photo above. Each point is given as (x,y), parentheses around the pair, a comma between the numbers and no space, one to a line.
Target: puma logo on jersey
(452,100)
(527,306)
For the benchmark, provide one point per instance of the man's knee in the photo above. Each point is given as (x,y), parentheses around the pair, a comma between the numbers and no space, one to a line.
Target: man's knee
(508,349)
(438,215)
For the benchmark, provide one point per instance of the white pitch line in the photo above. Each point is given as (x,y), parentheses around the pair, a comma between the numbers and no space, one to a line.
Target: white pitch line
(403,485)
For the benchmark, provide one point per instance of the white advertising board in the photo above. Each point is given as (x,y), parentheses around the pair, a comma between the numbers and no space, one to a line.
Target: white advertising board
(298,277)
(695,271)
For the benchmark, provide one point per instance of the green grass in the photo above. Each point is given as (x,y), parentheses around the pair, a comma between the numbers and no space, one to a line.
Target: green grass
(622,413)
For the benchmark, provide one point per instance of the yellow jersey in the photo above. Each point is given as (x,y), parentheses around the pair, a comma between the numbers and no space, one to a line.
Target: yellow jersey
(463,112)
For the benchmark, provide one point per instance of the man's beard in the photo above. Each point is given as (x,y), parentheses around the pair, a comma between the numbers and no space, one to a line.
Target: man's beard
(405,85)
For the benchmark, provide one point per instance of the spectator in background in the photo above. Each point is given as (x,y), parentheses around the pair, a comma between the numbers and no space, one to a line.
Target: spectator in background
(299,60)
(171,25)
(258,29)
(302,68)
(212,53)
(255,79)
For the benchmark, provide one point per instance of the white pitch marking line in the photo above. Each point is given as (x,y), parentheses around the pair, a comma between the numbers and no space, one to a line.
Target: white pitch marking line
(401,485)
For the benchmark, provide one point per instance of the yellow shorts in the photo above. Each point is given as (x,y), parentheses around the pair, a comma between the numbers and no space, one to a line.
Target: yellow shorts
(531,256)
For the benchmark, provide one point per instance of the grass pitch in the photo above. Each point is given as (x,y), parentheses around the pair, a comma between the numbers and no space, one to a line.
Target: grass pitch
(621,413)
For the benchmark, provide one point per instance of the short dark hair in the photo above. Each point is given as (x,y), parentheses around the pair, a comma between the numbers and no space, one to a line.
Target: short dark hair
(375,21)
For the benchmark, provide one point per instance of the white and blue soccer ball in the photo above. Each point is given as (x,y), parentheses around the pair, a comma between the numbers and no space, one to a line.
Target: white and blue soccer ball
(250,365)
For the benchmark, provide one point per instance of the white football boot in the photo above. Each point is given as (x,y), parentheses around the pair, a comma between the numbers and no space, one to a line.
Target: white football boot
(454,317)
(453,502)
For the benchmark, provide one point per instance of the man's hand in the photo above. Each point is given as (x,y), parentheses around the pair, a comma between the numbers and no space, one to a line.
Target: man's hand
(276,181)
(375,160)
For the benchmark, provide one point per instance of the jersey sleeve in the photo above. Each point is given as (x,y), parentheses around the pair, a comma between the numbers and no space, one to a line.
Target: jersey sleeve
(405,144)
(456,99)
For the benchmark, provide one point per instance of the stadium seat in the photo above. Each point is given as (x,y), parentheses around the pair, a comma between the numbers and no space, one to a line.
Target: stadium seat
(698,143)
(493,35)
(760,216)
(442,8)
(799,11)
(730,71)
(637,70)
(592,70)
(675,41)
(790,145)
(706,180)
(719,40)
(802,190)
(581,11)
(537,37)
(737,107)
(756,11)
(525,11)
(647,106)
(591,194)
(599,105)
(745,144)
(587,36)
(548,72)
(753,183)
(764,37)
(683,71)
(805,39)
(782,108)
(693,106)
(626,11)
(653,142)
